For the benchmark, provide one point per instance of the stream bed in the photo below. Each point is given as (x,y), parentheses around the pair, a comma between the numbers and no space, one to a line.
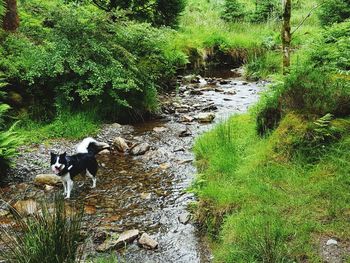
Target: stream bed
(145,192)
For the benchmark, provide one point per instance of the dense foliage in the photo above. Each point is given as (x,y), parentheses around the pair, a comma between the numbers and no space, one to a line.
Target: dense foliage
(158,12)
(236,10)
(9,140)
(233,11)
(70,57)
(317,85)
(334,11)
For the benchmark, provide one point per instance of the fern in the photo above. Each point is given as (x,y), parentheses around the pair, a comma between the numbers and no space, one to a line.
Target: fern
(9,140)
(323,129)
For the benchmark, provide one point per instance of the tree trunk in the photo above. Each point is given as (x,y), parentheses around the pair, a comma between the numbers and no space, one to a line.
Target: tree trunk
(11,19)
(286,34)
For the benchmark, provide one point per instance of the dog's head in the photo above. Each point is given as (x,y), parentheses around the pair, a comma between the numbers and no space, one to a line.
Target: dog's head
(58,162)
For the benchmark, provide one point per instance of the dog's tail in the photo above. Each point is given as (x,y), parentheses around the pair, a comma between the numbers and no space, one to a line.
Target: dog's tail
(90,145)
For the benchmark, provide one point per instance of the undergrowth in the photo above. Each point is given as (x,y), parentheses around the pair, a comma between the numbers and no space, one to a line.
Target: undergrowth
(52,235)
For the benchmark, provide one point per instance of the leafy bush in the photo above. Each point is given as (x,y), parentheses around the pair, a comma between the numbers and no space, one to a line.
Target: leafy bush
(318,85)
(159,12)
(115,67)
(51,236)
(334,11)
(233,11)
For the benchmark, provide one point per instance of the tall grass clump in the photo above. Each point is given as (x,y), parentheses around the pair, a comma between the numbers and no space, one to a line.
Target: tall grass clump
(50,236)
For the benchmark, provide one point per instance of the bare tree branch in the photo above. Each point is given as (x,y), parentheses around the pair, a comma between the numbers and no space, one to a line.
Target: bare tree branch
(306,17)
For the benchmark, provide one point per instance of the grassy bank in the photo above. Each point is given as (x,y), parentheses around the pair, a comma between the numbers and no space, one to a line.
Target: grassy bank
(258,47)
(273,184)
(260,205)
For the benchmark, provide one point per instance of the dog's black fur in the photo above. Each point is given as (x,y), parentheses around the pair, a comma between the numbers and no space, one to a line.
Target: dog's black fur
(67,167)
(77,163)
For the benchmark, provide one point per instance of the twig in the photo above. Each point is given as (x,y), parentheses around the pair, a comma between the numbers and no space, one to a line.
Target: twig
(308,15)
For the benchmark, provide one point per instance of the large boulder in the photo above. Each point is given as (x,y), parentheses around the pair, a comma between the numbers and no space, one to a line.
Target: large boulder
(47,179)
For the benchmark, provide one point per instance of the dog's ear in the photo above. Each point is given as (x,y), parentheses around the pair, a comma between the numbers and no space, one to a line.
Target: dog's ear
(52,154)
(64,154)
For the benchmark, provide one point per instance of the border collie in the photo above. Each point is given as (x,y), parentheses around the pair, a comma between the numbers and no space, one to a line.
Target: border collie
(67,167)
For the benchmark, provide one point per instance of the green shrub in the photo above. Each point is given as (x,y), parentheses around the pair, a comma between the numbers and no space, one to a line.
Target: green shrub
(265,10)
(51,236)
(167,12)
(115,67)
(233,11)
(316,86)
(334,11)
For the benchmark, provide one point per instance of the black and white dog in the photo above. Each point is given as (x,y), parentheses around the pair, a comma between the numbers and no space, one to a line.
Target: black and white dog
(83,162)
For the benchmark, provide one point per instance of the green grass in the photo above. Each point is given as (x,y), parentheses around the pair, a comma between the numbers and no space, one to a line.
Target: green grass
(196,33)
(51,236)
(69,126)
(263,204)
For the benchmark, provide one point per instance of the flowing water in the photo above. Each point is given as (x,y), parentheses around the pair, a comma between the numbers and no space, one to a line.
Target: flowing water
(148,192)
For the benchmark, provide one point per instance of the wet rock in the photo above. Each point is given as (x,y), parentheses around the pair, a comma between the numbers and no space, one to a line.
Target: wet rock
(140,149)
(26,207)
(224,82)
(184,218)
(146,196)
(210,108)
(186,118)
(48,188)
(99,237)
(164,166)
(191,79)
(105,152)
(185,161)
(245,83)
(196,92)
(120,144)
(4,212)
(124,239)
(127,237)
(227,99)
(179,149)
(183,109)
(47,179)
(219,90)
(238,71)
(147,242)
(231,92)
(185,132)
(205,117)
(116,126)
(331,242)
(160,129)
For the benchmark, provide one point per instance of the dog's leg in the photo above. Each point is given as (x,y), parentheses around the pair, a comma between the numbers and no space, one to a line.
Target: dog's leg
(69,183)
(88,174)
(64,187)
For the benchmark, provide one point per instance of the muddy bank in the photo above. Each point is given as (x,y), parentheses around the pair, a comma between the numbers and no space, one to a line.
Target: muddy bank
(145,192)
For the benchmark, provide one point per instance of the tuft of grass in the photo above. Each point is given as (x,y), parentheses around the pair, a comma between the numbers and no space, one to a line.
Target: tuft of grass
(50,236)
(259,206)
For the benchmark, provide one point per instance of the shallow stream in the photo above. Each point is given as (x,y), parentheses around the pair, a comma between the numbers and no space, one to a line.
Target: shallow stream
(146,192)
